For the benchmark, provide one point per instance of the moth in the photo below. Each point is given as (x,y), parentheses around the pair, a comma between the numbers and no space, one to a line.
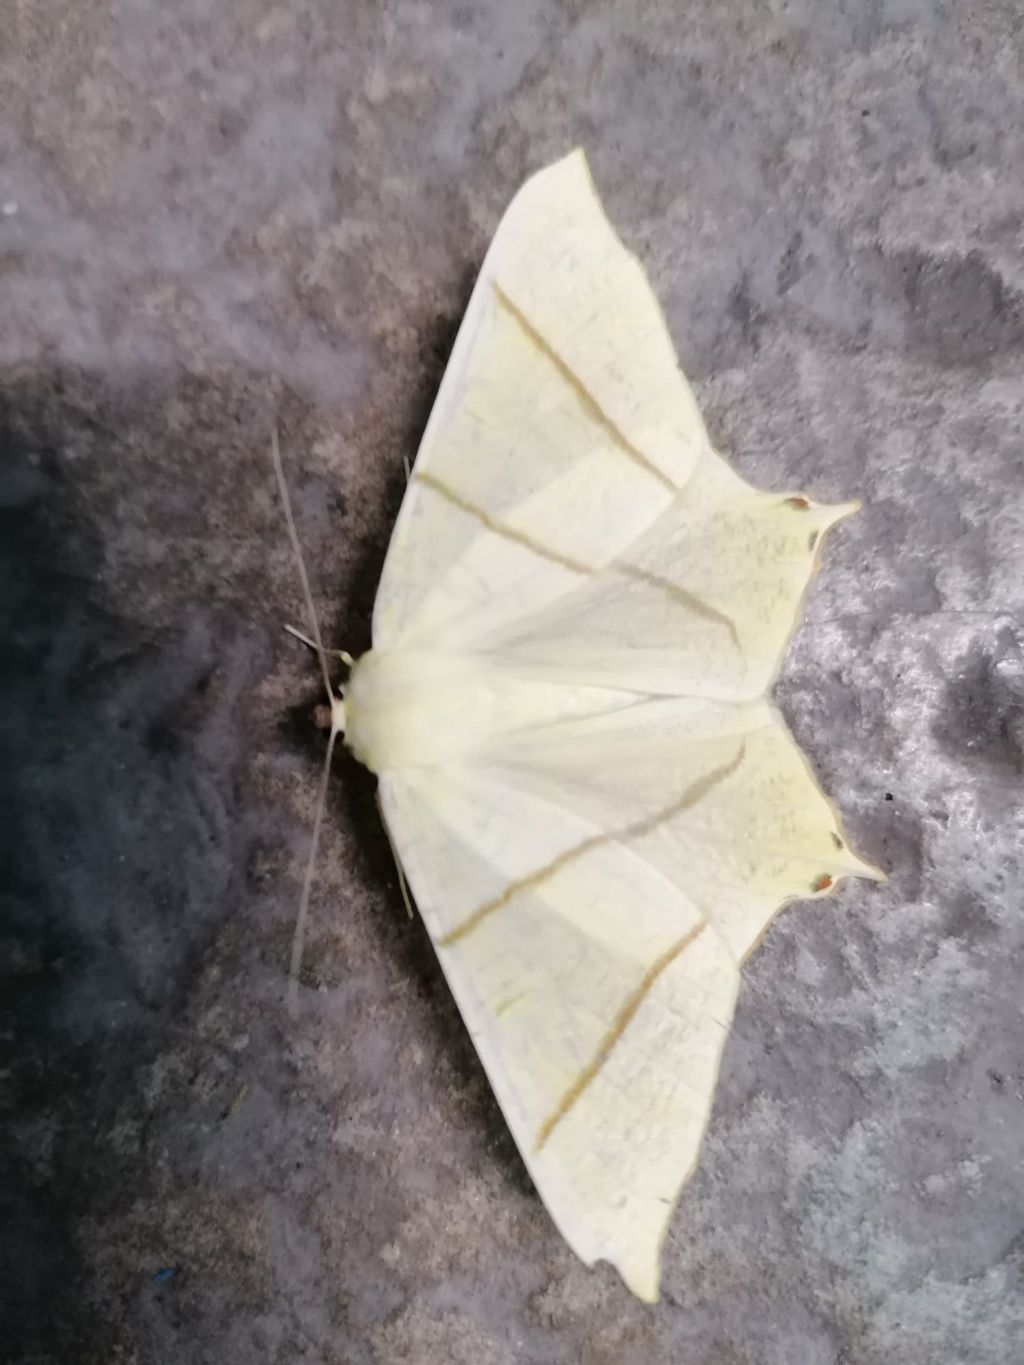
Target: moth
(596,807)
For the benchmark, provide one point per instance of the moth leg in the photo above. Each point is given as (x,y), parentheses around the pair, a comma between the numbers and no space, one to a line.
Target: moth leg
(403,885)
(342,654)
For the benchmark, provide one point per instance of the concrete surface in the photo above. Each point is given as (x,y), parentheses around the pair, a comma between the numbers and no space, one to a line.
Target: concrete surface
(214,214)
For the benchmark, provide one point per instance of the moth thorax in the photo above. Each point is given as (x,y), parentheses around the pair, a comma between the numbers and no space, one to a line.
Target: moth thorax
(411,708)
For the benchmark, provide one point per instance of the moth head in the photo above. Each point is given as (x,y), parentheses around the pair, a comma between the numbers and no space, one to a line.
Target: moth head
(331,715)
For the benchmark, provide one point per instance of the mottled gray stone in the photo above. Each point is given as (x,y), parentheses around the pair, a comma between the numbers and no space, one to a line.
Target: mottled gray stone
(213,215)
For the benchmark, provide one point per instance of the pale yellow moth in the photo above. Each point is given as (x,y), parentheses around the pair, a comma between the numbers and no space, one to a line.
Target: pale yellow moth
(596,808)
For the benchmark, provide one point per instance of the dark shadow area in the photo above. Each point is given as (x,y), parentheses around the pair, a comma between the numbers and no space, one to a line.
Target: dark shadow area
(130,843)
(122,855)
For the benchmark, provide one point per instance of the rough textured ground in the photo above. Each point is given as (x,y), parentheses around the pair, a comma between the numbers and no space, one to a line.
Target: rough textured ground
(212,215)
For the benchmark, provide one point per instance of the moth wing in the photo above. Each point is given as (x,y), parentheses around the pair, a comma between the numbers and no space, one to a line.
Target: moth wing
(597,997)
(591,884)
(703,602)
(716,796)
(563,427)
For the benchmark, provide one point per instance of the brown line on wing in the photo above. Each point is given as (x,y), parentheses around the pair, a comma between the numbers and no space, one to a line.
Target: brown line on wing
(633,571)
(501,528)
(619,1026)
(678,594)
(581,391)
(695,792)
(521,884)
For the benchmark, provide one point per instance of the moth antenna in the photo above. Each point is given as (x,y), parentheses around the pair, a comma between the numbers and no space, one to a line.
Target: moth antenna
(317,641)
(299,936)
(337,721)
